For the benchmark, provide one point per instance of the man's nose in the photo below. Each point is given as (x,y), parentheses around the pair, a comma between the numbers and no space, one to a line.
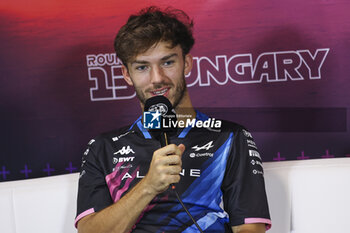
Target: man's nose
(157,75)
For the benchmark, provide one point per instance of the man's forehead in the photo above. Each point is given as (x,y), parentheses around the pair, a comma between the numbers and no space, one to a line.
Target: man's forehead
(158,51)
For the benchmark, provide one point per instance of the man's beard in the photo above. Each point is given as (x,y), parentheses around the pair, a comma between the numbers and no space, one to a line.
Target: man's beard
(179,93)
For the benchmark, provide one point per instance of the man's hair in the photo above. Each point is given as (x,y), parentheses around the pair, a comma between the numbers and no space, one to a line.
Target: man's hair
(150,26)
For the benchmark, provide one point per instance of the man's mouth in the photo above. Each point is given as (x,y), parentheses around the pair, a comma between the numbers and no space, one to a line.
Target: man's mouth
(162,91)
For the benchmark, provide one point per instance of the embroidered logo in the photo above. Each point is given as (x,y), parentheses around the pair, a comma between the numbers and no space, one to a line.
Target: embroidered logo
(125,151)
(206,146)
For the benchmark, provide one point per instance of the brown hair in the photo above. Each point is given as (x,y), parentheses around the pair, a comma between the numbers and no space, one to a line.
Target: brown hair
(150,26)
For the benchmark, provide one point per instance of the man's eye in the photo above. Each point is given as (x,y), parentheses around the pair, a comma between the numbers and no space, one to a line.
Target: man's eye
(168,63)
(141,68)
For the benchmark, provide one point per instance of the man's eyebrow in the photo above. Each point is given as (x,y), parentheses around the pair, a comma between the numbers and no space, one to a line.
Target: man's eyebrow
(162,59)
(139,62)
(169,56)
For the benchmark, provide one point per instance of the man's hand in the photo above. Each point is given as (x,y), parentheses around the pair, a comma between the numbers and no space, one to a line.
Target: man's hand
(165,168)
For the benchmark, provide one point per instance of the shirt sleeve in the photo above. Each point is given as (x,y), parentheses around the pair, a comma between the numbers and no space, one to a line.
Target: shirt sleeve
(243,186)
(93,192)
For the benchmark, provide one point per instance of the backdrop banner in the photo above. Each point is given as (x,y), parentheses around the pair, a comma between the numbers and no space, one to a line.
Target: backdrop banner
(280,68)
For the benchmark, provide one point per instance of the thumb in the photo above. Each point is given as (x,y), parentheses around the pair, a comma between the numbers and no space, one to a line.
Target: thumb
(182,147)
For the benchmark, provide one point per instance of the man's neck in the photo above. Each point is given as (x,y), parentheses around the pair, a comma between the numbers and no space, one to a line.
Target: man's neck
(184,110)
(185,113)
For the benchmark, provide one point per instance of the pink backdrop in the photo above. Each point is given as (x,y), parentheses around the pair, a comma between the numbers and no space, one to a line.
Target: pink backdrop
(278,67)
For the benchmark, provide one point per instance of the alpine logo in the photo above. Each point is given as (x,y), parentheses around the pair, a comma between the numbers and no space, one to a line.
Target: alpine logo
(206,146)
(125,151)
(123,159)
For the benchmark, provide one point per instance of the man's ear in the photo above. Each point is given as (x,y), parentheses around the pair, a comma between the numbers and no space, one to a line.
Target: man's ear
(126,75)
(188,63)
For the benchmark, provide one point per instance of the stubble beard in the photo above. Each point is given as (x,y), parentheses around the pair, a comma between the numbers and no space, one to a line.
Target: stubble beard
(179,93)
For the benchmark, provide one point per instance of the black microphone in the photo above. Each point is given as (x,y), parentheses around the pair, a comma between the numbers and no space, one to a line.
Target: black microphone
(165,108)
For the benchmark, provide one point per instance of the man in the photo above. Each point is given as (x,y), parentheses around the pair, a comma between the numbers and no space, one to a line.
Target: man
(125,175)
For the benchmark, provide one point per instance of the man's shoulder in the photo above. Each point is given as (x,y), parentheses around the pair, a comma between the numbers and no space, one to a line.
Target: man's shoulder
(116,132)
(231,125)
(227,126)
(111,135)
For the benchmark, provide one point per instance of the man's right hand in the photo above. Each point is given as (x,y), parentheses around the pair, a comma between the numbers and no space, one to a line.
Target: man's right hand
(165,168)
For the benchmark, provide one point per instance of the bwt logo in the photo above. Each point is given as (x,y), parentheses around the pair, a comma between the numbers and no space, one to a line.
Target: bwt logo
(123,159)
(151,120)
(104,71)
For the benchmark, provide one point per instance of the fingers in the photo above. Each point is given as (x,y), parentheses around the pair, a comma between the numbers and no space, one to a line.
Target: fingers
(174,179)
(165,167)
(182,148)
(172,169)
(171,149)
(170,155)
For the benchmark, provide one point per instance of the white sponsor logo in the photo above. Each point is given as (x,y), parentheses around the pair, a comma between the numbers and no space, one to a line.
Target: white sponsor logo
(83,162)
(254,153)
(247,134)
(192,172)
(184,172)
(86,152)
(91,141)
(122,167)
(206,146)
(194,155)
(122,135)
(125,151)
(123,159)
(257,162)
(126,176)
(251,143)
(258,172)
(82,173)
(160,107)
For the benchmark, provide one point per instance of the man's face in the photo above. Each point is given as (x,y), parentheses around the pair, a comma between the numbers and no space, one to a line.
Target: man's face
(159,71)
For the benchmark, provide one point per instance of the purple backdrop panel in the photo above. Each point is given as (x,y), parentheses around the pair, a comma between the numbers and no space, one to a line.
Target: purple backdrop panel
(278,67)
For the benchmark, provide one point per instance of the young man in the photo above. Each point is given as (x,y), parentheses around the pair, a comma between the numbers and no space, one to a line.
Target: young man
(125,175)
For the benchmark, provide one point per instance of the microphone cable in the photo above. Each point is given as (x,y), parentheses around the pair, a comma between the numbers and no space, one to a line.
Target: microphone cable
(184,207)
(177,195)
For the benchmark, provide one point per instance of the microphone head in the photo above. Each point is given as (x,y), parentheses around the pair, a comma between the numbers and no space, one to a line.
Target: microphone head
(158,103)
(164,107)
